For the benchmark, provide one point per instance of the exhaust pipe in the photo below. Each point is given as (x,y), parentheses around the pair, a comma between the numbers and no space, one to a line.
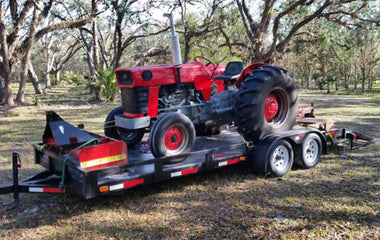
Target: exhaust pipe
(174,42)
(176,50)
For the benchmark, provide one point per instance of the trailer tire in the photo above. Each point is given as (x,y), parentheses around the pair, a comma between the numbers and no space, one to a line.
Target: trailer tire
(130,136)
(172,134)
(266,102)
(280,158)
(310,151)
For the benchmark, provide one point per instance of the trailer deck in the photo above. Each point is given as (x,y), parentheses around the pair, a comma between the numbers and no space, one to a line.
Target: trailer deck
(142,168)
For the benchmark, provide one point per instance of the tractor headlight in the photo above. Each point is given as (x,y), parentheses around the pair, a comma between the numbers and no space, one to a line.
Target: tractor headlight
(125,78)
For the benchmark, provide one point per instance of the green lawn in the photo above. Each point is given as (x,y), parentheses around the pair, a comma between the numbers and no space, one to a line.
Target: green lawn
(338,199)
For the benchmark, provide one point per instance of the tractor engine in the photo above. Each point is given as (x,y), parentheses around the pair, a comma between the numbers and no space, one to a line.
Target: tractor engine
(207,117)
(170,97)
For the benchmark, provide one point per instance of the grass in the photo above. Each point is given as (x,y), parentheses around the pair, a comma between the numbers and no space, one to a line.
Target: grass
(338,199)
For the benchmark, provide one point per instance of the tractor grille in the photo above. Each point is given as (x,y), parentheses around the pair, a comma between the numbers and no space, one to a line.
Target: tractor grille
(135,100)
(125,78)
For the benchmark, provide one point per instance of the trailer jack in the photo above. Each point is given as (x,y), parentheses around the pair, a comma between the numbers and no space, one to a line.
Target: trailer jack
(43,182)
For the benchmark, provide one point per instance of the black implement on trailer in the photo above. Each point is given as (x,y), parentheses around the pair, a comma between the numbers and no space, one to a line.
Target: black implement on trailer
(81,162)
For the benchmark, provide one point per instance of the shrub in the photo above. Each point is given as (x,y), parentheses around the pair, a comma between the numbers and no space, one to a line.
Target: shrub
(104,85)
(72,78)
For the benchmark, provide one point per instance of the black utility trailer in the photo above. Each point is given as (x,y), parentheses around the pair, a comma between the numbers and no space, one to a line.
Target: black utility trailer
(91,165)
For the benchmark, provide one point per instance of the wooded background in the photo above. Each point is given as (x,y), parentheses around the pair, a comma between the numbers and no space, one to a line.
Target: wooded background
(325,44)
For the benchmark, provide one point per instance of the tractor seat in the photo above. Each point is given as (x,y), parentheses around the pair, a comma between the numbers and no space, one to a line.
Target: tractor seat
(232,71)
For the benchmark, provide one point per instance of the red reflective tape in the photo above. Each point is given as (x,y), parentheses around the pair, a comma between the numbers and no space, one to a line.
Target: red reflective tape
(236,160)
(53,190)
(188,171)
(133,115)
(133,183)
(334,132)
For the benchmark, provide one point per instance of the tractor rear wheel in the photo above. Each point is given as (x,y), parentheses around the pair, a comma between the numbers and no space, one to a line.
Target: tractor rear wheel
(172,134)
(266,103)
(130,136)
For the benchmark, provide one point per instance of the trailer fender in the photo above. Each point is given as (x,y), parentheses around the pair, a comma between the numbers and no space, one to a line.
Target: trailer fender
(257,155)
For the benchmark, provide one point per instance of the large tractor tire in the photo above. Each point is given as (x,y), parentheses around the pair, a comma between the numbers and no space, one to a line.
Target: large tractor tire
(172,134)
(130,136)
(266,103)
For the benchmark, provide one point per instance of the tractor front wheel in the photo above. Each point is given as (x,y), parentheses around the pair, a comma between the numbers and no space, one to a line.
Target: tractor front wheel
(172,134)
(130,136)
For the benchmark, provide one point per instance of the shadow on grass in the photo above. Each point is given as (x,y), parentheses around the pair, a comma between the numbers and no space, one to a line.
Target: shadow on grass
(223,203)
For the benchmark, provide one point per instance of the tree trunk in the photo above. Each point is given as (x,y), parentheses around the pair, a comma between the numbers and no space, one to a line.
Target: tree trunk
(5,66)
(57,74)
(34,78)
(355,77)
(23,77)
(187,50)
(47,79)
(25,61)
(5,85)
(90,60)
(345,70)
(2,84)
(95,52)
(49,63)
(363,79)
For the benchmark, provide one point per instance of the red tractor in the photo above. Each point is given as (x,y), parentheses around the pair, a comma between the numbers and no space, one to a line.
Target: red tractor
(177,102)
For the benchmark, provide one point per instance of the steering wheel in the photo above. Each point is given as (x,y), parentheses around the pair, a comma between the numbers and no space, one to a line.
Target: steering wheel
(208,61)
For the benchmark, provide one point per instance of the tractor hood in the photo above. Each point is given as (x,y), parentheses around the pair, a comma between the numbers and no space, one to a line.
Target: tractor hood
(165,74)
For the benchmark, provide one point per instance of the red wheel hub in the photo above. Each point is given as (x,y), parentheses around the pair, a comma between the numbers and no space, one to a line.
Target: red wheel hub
(271,107)
(173,138)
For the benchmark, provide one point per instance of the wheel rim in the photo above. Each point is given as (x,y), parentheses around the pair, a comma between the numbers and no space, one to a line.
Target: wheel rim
(311,151)
(271,107)
(276,107)
(280,158)
(174,138)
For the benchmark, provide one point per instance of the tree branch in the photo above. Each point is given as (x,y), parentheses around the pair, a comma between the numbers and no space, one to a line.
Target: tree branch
(281,45)
(62,25)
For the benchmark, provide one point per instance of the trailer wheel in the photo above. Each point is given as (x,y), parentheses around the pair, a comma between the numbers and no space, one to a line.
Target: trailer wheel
(266,103)
(130,136)
(310,151)
(280,158)
(172,134)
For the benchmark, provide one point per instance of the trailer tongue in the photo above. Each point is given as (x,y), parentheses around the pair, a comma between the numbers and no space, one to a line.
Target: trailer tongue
(88,164)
